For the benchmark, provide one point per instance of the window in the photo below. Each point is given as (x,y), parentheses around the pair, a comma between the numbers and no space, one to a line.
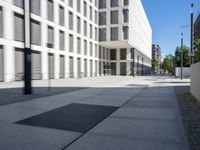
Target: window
(102,18)
(91,31)
(19,3)
(96,34)
(96,17)
(114,33)
(102,3)
(132,53)
(78,2)
(85,28)
(71,43)
(35,32)
(126,2)
(85,47)
(114,17)
(100,56)
(61,16)
(71,3)
(51,35)
(71,24)
(95,50)
(62,40)
(125,32)
(114,3)
(35,6)
(78,24)
(71,67)
(85,9)
(102,34)
(19,27)
(85,68)
(50,10)
(104,56)
(107,53)
(1,22)
(91,49)
(125,15)
(78,45)
(122,54)
(91,14)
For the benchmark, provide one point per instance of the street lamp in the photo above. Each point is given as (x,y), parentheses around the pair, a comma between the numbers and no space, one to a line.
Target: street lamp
(191,35)
(181,56)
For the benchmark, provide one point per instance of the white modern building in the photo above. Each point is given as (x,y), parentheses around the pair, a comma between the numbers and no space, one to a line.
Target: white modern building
(72,38)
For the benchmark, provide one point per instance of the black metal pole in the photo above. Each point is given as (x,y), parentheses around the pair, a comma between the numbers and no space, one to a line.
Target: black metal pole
(27,49)
(191,35)
(182,56)
(133,56)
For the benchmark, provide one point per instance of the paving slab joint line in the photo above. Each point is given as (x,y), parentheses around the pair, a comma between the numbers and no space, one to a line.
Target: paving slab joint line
(81,135)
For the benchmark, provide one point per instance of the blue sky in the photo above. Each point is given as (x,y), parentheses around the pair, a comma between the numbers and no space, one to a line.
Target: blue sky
(166,18)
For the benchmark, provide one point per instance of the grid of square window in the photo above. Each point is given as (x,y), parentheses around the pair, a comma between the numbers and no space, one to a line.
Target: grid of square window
(65,25)
(113,20)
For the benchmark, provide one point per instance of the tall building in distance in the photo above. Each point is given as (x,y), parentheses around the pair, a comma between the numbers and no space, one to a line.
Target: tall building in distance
(197,28)
(156,54)
(73,38)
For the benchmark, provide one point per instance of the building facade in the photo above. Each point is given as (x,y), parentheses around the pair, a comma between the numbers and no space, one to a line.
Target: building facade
(156,54)
(196,36)
(69,40)
(197,28)
(125,30)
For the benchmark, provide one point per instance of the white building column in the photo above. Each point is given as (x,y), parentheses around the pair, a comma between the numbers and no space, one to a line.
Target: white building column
(9,53)
(118,68)
(118,62)
(57,65)
(88,67)
(44,53)
(93,68)
(75,67)
(128,68)
(66,66)
(82,65)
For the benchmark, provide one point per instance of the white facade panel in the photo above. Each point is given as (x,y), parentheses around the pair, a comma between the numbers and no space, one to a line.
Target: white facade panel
(140,36)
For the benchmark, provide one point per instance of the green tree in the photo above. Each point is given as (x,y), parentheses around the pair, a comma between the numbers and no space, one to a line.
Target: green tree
(154,63)
(167,64)
(197,53)
(186,58)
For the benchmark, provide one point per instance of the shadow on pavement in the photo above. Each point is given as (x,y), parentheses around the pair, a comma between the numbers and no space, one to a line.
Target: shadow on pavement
(14,95)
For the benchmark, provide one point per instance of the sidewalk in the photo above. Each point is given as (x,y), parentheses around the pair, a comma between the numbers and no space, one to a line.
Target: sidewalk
(151,121)
(134,114)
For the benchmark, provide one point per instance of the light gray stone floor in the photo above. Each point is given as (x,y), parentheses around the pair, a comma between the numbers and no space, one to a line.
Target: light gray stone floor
(148,117)
(150,121)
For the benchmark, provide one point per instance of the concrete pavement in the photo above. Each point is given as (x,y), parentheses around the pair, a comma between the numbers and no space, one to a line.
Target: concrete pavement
(148,117)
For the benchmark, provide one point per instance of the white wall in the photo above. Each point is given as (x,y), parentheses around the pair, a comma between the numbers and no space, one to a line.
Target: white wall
(140,29)
(186,72)
(195,80)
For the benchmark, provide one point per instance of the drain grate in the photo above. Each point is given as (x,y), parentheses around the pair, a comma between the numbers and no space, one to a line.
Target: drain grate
(73,117)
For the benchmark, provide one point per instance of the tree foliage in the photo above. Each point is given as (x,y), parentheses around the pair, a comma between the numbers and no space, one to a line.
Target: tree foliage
(197,53)
(167,64)
(154,63)
(186,58)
